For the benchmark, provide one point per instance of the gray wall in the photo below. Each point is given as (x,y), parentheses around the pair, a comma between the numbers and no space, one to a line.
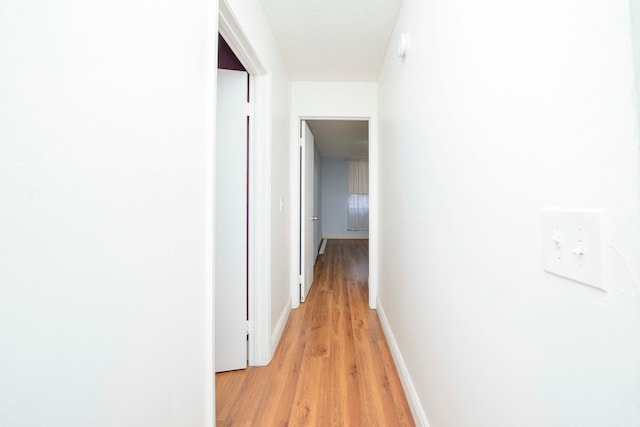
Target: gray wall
(334,199)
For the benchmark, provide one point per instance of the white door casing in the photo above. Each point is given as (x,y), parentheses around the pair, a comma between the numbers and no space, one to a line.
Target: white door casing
(231,222)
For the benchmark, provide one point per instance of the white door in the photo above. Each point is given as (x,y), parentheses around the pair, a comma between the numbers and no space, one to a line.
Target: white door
(316,203)
(307,211)
(231,222)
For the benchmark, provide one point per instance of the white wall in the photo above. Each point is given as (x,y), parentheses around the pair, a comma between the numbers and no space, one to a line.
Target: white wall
(250,16)
(634,10)
(106,257)
(501,109)
(334,190)
(333,97)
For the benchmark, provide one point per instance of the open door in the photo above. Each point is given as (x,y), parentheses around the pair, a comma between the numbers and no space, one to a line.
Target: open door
(231,222)
(307,210)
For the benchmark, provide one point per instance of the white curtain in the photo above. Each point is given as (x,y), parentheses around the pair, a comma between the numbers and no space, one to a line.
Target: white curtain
(358,195)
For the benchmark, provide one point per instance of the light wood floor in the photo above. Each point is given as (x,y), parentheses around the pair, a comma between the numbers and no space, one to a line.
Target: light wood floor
(332,366)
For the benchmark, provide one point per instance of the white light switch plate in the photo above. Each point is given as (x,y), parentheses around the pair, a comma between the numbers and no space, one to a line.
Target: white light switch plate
(572,245)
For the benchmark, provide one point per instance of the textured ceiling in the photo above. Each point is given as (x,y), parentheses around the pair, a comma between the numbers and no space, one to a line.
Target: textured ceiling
(341,138)
(332,40)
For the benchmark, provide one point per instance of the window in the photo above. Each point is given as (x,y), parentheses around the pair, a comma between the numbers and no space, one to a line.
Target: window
(358,196)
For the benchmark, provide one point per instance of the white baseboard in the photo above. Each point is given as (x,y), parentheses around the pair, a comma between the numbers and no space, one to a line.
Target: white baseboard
(419,416)
(323,247)
(345,236)
(279,329)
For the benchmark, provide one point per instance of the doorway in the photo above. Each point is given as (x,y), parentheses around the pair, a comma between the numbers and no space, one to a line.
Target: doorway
(257,304)
(354,146)
(232,211)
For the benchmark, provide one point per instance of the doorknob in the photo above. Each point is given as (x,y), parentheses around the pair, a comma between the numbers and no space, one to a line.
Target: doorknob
(314,218)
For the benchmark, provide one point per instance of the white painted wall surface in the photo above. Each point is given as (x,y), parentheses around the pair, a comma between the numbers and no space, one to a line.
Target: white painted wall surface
(334,191)
(251,18)
(107,118)
(334,97)
(634,11)
(501,109)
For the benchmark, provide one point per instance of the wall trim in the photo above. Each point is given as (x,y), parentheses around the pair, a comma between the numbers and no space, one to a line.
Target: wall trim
(344,236)
(233,33)
(279,328)
(419,416)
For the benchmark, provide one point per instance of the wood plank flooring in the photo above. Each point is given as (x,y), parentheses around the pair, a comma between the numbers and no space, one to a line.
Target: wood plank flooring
(332,366)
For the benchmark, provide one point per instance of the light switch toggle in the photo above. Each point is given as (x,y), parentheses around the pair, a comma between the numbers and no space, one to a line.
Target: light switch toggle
(572,244)
(579,249)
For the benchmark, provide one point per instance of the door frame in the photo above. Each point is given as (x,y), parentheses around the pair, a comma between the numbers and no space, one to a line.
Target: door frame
(259,196)
(296,174)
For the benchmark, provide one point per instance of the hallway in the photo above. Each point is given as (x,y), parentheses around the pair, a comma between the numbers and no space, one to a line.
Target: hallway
(332,366)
